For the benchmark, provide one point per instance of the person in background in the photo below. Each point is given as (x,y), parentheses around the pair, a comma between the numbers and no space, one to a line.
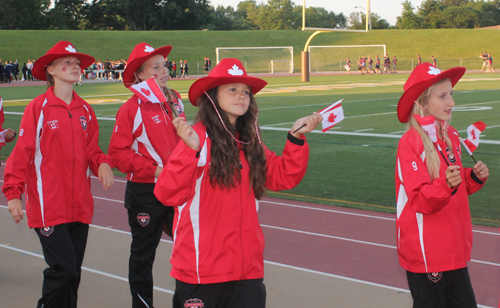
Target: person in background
(141,144)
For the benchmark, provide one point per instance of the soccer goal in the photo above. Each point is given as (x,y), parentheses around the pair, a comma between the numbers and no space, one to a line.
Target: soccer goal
(260,59)
(333,58)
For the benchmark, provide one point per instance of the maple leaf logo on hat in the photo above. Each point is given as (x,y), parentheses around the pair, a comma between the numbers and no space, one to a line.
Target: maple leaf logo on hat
(434,71)
(235,71)
(70,48)
(148,49)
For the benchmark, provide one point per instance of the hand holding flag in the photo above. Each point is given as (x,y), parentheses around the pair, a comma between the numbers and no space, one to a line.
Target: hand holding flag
(332,115)
(472,141)
(150,91)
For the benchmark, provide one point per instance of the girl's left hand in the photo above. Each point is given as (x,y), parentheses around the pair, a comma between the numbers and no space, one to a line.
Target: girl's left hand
(481,170)
(10,134)
(106,176)
(310,123)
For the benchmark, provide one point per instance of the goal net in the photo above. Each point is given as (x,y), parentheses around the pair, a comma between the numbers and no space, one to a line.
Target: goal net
(260,59)
(333,58)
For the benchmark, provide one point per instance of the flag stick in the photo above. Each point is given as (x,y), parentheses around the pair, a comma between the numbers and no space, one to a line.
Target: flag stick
(303,125)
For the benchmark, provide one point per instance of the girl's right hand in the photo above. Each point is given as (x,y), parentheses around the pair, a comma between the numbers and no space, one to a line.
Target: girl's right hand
(187,133)
(453,178)
(16,209)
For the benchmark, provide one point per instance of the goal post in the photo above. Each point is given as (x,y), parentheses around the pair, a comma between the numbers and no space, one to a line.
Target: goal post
(275,59)
(333,58)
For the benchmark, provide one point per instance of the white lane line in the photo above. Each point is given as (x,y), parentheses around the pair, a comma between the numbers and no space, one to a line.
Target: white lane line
(88,269)
(21,113)
(363,130)
(329,236)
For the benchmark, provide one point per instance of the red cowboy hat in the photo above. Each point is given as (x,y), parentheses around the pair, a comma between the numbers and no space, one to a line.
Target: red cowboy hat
(228,70)
(140,54)
(422,77)
(60,50)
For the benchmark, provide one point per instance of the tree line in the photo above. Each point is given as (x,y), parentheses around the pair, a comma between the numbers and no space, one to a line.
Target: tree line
(161,15)
(248,15)
(462,14)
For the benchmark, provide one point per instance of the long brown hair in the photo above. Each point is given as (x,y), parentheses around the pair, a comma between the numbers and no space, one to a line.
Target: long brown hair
(225,162)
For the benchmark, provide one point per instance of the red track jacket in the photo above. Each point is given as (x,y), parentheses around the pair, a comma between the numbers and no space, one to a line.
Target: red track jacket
(56,150)
(217,235)
(143,138)
(433,221)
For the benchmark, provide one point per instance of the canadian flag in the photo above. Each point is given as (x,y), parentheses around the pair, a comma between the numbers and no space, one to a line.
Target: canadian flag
(473,132)
(428,124)
(149,91)
(332,115)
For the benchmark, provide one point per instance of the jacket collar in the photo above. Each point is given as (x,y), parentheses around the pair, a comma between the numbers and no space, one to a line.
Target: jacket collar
(53,100)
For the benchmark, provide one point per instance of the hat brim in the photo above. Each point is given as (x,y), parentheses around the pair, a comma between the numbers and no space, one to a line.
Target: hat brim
(40,67)
(405,104)
(206,83)
(133,66)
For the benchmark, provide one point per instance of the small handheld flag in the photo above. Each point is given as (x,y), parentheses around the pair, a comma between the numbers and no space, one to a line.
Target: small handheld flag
(332,115)
(428,124)
(150,91)
(472,141)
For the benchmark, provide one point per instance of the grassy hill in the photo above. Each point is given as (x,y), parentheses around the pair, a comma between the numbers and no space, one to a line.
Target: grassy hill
(194,45)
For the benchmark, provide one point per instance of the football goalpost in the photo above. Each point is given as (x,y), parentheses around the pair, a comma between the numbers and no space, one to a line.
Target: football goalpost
(333,58)
(272,60)
(304,56)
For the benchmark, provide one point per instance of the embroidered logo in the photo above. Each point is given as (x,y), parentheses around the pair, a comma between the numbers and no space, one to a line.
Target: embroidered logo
(70,49)
(143,219)
(148,49)
(156,119)
(83,121)
(53,124)
(435,277)
(47,231)
(193,302)
(235,71)
(434,71)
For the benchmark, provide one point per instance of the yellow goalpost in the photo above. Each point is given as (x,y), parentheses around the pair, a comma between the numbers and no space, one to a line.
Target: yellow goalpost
(304,56)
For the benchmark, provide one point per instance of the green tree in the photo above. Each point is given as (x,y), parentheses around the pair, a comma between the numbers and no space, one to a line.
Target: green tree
(408,18)
(23,14)
(103,15)
(66,14)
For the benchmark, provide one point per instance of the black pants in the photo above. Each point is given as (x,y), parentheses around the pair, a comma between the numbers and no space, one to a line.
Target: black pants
(232,294)
(146,217)
(63,249)
(451,289)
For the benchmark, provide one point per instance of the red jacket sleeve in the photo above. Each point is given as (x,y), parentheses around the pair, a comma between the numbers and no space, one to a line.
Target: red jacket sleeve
(95,155)
(176,183)
(120,146)
(423,196)
(286,171)
(16,169)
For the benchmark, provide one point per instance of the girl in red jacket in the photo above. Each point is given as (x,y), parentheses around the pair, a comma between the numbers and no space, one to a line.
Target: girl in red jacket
(140,145)
(433,222)
(56,150)
(215,179)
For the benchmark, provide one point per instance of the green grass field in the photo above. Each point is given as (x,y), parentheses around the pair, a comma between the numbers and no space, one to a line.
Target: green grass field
(348,166)
(194,45)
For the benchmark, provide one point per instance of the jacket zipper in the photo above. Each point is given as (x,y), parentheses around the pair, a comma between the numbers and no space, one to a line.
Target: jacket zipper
(72,165)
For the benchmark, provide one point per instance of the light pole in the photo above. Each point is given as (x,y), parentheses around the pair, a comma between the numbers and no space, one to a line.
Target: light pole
(368,15)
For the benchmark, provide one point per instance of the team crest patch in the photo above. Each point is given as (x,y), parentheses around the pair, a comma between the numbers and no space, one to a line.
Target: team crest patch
(47,231)
(143,219)
(193,302)
(435,277)
(83,121)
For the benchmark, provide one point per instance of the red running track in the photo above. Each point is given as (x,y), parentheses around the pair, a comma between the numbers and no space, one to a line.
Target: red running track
(351,243)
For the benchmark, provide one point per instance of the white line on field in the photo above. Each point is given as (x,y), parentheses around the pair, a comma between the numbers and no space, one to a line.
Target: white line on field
(363,130)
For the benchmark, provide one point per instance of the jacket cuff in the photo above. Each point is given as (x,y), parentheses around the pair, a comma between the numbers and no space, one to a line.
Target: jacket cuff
(475,178)
(108,160)
(298,141)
